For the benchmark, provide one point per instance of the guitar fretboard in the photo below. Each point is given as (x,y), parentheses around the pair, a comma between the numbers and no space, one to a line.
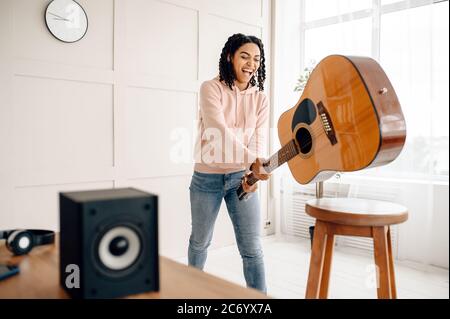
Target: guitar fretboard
(287,152)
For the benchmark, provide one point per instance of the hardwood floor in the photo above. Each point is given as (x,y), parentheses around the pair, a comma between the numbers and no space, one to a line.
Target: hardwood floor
(352,274)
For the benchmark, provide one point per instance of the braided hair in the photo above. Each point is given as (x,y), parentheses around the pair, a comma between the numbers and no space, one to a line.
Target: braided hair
(226,71)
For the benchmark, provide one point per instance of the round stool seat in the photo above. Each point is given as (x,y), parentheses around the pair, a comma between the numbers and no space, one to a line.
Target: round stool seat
(356,211)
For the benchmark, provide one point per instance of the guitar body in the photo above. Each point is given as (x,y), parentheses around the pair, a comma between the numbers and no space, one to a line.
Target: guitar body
(347,119)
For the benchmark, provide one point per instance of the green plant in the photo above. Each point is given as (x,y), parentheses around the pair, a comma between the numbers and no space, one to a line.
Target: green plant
(303,79)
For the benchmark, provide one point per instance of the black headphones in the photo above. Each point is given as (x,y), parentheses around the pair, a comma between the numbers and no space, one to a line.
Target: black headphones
(21,241)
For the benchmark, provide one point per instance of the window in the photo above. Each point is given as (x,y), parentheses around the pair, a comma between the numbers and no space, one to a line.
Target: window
(414,51)
(344,38)
(410,41)
(318,9)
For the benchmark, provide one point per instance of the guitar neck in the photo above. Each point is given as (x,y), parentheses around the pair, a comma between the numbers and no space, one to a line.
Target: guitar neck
(288,151)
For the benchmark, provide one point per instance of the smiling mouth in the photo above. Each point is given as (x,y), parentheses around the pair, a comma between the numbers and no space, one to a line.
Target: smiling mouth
(247,72)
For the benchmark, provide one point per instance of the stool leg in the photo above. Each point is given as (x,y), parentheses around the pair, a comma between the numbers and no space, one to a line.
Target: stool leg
(325,282)
(316,262)
(382,261)
(391,265)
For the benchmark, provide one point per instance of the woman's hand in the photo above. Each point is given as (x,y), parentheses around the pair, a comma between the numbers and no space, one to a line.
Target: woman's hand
(258,170)
(247,188)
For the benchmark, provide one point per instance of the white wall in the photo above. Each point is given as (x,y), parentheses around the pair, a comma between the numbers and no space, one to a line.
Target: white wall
(286,57)
(99,113)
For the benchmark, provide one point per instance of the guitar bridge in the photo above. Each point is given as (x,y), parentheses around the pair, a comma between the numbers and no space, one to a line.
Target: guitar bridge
(327,124)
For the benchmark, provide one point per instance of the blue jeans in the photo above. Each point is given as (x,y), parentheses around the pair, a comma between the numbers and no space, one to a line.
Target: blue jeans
(207,192)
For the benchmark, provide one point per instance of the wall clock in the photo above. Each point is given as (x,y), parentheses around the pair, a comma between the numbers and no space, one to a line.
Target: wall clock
(66,20)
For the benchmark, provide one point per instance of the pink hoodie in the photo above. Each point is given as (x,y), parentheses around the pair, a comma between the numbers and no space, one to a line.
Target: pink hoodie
(232,128)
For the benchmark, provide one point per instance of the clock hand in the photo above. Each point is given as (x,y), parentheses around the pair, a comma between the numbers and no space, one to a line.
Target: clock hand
(62,19)
(58,16)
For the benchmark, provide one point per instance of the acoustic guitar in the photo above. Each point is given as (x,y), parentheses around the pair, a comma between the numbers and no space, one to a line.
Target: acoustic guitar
(348,118)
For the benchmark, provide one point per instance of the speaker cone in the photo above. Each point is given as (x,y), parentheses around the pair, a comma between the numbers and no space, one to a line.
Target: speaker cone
(119,248)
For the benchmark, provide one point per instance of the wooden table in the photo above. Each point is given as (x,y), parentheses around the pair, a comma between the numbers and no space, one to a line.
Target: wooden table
(39,278)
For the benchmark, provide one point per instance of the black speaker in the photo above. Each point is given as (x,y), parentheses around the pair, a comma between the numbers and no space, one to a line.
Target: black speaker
(108,243)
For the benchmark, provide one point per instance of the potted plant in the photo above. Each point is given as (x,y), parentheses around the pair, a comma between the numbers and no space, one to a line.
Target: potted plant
(304,76)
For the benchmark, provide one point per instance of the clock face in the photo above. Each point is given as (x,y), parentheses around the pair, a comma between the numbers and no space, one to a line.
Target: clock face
(66,20)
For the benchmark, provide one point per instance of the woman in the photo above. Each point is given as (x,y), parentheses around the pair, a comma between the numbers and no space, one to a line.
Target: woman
(233,120)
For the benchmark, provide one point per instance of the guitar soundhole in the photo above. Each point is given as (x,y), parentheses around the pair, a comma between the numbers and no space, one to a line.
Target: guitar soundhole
(304,140)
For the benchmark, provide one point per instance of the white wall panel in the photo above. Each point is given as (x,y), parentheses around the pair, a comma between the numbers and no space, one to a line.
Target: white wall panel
(33,41)
(38,207)
(244,10)
(161,39)
(159,128)
(61,125)
(6,111)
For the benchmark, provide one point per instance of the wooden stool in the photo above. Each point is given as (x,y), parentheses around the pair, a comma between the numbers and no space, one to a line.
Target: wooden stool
(352,217)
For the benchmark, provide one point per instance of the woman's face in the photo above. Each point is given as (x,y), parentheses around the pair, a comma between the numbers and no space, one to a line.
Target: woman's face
(246,61)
